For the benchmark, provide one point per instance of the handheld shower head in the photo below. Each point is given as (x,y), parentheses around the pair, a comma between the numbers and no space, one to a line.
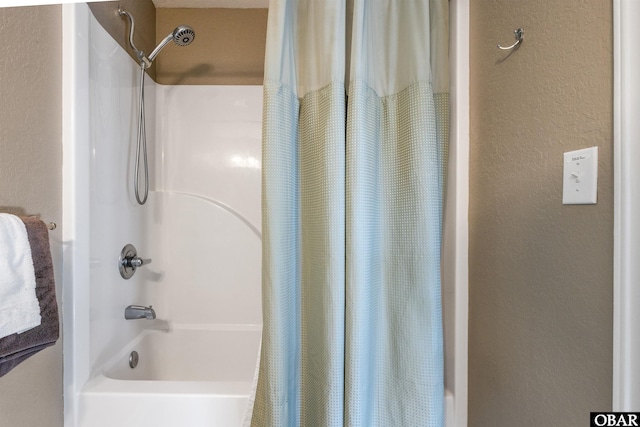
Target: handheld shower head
(183,35)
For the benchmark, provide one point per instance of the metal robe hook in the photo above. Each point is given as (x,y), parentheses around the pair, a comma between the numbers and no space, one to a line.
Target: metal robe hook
(519,33)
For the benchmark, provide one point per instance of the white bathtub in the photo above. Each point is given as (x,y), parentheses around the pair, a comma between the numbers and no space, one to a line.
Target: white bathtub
(188,376)
(195,376)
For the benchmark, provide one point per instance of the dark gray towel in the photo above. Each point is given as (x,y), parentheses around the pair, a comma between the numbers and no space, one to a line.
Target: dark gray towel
(18,347)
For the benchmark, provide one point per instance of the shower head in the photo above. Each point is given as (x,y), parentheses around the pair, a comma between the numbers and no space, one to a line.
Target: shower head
(183,35)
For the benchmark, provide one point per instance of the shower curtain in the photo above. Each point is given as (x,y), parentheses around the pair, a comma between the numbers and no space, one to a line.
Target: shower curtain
(352,193)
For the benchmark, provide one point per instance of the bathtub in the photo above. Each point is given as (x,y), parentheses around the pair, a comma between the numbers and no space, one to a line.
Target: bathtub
(188,375)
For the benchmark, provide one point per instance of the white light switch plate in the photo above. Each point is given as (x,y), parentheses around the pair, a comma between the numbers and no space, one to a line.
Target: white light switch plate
(580,182)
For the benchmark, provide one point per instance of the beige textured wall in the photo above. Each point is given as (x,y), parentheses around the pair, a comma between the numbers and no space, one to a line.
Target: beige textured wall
(31,183)
(228,48)
(144,14)
(541,274)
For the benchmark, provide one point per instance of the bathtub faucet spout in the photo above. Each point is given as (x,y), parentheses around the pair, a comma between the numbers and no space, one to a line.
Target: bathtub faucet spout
(139,312)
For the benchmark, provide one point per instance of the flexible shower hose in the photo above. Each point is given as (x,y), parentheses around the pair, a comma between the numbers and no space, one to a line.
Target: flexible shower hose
(141,146)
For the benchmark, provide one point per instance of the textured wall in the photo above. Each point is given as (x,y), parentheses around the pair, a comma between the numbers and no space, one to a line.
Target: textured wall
(228,48)
(540,326)
(31,183)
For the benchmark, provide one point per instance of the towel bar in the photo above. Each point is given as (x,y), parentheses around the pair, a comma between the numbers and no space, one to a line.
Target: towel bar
(50,225)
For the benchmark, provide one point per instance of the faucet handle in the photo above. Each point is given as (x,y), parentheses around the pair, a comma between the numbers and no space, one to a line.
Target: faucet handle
(129,261)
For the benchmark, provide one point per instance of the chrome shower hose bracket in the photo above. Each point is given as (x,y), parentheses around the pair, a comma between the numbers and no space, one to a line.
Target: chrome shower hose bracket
(129,261)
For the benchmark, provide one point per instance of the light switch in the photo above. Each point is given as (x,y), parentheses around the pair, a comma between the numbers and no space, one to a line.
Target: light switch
(580,183)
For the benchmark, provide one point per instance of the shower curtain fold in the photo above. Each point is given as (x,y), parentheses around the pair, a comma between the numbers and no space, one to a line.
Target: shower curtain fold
(353,191)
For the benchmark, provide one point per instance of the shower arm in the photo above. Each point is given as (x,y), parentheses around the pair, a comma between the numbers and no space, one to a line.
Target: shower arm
(144,61)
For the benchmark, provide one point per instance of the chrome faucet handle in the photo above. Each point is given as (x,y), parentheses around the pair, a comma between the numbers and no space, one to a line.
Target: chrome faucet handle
(129,261)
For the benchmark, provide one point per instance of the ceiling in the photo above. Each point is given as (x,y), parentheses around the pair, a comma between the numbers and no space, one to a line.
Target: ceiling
(235,4)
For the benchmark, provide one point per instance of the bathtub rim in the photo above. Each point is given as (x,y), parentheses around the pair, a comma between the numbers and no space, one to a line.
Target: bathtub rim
(164,327)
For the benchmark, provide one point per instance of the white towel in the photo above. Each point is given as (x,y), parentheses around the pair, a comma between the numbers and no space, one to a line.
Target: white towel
(19,306)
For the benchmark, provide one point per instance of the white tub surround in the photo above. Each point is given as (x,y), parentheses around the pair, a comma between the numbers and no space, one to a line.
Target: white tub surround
(200,227)
(211,185)
(99,93)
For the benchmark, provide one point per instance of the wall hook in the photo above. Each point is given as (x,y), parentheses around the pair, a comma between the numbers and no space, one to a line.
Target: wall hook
(519,33)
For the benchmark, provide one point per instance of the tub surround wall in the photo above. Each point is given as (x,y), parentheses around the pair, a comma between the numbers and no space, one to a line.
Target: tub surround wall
(31,183)
(144,13)
(200,226)
(115,217)
(228,49)
(211,144)
(540,273)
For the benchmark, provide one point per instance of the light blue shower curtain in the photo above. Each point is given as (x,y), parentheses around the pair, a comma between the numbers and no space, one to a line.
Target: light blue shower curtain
(353,192)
